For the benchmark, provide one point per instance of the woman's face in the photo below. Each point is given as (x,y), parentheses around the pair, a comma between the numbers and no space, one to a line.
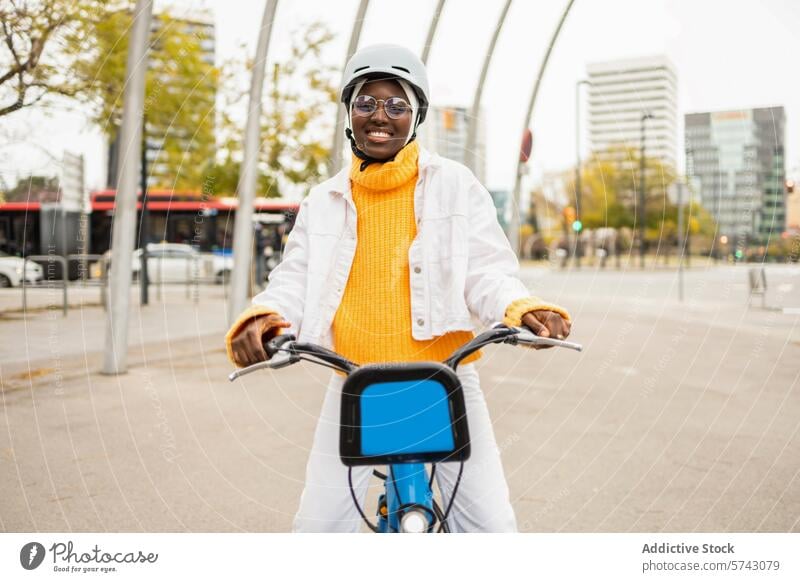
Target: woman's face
(378,135)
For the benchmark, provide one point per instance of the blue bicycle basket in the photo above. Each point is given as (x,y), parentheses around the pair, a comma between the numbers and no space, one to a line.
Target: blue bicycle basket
(403,413)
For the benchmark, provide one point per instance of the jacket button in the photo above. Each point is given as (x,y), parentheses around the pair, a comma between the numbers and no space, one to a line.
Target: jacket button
(420,322)
(417,270)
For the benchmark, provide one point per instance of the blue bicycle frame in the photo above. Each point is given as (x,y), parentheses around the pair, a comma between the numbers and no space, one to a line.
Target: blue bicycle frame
(403,416)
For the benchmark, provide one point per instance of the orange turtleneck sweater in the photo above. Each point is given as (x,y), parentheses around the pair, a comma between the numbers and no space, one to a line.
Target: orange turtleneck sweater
(373,322)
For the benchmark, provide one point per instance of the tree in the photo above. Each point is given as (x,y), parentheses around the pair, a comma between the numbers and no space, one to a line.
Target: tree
(42,42)
(298,116)
(301,112)
(610,187)
(33,189)
(180,94)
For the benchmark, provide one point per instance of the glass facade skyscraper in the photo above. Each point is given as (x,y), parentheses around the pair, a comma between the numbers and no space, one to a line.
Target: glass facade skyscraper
(737,160)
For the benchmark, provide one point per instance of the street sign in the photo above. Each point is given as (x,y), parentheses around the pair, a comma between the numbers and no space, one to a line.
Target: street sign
(527,146)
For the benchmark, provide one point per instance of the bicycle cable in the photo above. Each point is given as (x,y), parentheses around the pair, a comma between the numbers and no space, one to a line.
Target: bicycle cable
(452,497)
(318,363)
(438,512)
(355,501)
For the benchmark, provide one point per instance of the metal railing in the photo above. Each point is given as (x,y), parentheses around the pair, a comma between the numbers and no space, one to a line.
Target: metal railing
(196,273)
(50,259)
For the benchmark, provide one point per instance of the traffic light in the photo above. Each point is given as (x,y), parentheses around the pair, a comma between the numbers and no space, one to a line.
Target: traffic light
(577,226)
(569,214)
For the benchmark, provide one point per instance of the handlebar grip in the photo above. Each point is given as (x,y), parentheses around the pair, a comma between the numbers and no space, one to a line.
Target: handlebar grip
(272,346)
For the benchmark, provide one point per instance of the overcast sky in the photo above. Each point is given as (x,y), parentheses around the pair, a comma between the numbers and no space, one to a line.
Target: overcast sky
(729,55)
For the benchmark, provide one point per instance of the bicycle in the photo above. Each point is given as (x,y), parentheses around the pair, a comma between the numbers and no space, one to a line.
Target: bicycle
(402,415)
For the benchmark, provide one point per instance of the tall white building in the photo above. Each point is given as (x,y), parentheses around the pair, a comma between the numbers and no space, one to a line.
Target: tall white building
(621,92)
(445,132)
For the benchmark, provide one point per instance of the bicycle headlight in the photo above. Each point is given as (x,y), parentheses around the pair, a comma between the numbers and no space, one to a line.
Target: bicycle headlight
(413,521)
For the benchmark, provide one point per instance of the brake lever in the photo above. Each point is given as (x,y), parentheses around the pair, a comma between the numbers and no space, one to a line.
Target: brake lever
(280,360)
(526,336)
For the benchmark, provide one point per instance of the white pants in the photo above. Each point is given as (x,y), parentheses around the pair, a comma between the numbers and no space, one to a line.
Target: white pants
(482,502)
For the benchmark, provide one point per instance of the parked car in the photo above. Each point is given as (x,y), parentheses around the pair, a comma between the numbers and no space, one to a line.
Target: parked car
(178,263)
(11,271)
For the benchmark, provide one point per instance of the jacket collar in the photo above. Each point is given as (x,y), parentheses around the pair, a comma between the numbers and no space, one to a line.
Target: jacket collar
(339,184)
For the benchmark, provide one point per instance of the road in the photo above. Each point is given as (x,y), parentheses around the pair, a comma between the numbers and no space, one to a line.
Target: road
(676,417)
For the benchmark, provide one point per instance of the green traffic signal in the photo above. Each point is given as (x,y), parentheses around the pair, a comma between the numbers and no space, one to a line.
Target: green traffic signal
(577,226)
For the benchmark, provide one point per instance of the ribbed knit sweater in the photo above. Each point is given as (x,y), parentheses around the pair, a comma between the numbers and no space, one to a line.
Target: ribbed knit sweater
(373,322)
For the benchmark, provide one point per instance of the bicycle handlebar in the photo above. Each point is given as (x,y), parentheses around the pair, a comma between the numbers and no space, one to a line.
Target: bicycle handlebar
(284,351)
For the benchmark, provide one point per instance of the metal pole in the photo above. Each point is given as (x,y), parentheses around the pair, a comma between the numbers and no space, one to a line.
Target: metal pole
(338,130)
(64,279)
(578,191)
(144,232)
(426,49)
(470,156)
(514,226)
(681,243)
(642,182)
(116,354)
(243,227)
(24,284)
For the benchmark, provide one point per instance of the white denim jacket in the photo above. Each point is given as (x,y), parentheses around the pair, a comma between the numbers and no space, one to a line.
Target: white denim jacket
(461,263)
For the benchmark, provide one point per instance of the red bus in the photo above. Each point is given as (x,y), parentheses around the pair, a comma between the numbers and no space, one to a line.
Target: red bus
(203,221)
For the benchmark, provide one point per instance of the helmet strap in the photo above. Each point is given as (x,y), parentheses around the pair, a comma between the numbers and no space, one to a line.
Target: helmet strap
(366,159)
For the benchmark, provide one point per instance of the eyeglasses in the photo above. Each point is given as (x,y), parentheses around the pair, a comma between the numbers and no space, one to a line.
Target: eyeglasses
(366,105)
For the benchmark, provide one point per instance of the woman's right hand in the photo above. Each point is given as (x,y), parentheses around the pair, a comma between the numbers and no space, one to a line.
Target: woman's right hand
(248,344)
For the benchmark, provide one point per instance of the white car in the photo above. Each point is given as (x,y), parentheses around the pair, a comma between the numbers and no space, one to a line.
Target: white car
(11,271)
(179,263)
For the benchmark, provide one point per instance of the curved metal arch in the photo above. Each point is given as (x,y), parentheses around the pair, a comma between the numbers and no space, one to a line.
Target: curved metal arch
(246,190)
(472,128)
(115,359)
(514,226)
(426,49)
(338,130)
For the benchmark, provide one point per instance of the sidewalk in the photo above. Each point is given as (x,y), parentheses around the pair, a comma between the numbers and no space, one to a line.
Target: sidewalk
(45,336)
(676,417)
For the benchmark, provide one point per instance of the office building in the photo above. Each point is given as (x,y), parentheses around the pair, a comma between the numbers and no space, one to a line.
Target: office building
(620,93)
(737,159)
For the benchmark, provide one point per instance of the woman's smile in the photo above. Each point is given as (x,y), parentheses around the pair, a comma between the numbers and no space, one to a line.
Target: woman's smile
(378,135)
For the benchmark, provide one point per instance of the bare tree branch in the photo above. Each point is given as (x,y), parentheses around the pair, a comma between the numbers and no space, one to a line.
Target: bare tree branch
(43,41)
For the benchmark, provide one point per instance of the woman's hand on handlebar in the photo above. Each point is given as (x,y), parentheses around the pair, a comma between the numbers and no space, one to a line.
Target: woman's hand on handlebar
(547,324)
(248,344)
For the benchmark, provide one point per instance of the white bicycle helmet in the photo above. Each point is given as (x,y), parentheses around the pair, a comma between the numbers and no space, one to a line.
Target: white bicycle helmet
(387,59)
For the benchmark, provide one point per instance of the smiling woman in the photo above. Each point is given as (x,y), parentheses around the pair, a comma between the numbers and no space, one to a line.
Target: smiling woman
(389,261)
(381,119)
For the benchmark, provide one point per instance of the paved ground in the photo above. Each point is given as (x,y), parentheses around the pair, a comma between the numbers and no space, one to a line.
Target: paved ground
(676,417)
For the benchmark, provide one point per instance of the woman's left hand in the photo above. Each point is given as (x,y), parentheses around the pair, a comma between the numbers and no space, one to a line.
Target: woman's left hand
(547,324)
